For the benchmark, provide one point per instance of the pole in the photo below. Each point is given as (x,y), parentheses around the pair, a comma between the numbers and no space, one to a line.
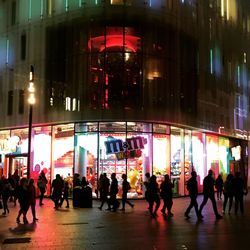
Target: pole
(29,141)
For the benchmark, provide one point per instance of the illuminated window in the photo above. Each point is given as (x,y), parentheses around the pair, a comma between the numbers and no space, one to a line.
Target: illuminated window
(68,103)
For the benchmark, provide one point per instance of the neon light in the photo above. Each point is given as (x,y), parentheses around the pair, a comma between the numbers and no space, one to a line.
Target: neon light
(238,75)
(222,7)
(227,10)
(211,61)
(96,2)
(41,11)
(30,7)
(7,50)
(66,5)
(114,41)
(80,3)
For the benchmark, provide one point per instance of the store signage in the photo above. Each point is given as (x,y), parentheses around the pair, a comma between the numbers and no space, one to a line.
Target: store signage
(114,146)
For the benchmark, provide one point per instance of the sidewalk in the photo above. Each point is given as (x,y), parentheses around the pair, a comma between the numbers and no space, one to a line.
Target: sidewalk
(134,229)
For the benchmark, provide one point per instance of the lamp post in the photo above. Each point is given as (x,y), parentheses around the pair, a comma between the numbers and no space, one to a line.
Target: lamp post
(31,101)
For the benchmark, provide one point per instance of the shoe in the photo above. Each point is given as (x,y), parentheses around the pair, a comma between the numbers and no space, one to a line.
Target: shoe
(67,206)
(4,213)
(218,216)
(35,220)
(25,221)
(108,209)
(122,209)
(100,208)
(132,205)
(170,214)
(186,215)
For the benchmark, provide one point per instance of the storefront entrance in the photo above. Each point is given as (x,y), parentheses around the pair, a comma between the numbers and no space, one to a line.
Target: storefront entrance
(17,162)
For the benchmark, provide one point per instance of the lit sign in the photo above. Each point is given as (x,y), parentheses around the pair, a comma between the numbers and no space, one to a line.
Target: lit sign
(129,149)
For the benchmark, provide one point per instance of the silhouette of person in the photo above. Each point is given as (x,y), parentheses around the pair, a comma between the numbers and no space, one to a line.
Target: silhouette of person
(228,193)
(153,196)
(6,192)
(42,183)
(146,184)
(65,194)
(23,199)
(167,195)
(192,187)
(219,186)
(208,193)
(57,187)
(32,198)
(113,192)
(125,188)
(238,187)
(104,184)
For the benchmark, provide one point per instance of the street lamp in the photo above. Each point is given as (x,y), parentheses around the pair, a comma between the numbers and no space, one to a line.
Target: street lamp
(31,101)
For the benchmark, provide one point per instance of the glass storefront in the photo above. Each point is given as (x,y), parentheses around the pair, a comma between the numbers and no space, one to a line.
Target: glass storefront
(93,148)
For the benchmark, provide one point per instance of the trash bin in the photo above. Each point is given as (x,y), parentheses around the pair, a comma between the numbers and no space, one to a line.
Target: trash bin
(86,197)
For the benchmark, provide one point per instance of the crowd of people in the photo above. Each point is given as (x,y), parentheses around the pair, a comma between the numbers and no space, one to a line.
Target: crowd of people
(24,191)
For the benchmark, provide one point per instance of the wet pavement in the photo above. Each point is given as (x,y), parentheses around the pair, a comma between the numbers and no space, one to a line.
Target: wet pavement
(134,229)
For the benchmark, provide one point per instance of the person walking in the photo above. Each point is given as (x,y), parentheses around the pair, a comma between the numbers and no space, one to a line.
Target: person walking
(192,187)
(167,195)
(153,196)
(32,198)
(65,195)
(228,193)
(113,192)
(16,180)
(23,199)
(219,186)
(6,192)
(104,184)
(238,188)
(125,188)
(208,193)
(146,184)
(42,184)
(57,188)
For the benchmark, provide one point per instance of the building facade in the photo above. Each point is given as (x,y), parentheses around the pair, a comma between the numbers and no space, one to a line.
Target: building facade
(125,86)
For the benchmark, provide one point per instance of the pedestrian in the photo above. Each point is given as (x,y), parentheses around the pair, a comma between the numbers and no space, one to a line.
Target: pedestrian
(153,196)
(125,188)
(104,184)
(56,190)
(167,195)
(32,198)
(84,182)
(65,194)
(16,181)
(146,184)
(192,187)
(208,193)
(23,199)
(228,193)
(6,192)
(219,186)
(113,192)
(42,184)
(239,190)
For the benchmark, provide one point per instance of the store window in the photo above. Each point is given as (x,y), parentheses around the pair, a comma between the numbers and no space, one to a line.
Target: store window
(177,160)
(212,153)
(62,150)
(86,156)
(4,149)
(42,154)
(198,155)
(188,166)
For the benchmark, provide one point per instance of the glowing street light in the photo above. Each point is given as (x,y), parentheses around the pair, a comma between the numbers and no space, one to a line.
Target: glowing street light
(31,101)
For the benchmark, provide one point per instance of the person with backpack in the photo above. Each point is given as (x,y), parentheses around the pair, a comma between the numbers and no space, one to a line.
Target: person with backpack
(125,188)
(192,187)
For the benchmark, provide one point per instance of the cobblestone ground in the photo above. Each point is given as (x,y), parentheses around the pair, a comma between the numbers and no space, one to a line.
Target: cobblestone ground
(90,228)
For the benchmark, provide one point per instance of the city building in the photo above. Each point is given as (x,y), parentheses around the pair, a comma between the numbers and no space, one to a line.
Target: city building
(125,86)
